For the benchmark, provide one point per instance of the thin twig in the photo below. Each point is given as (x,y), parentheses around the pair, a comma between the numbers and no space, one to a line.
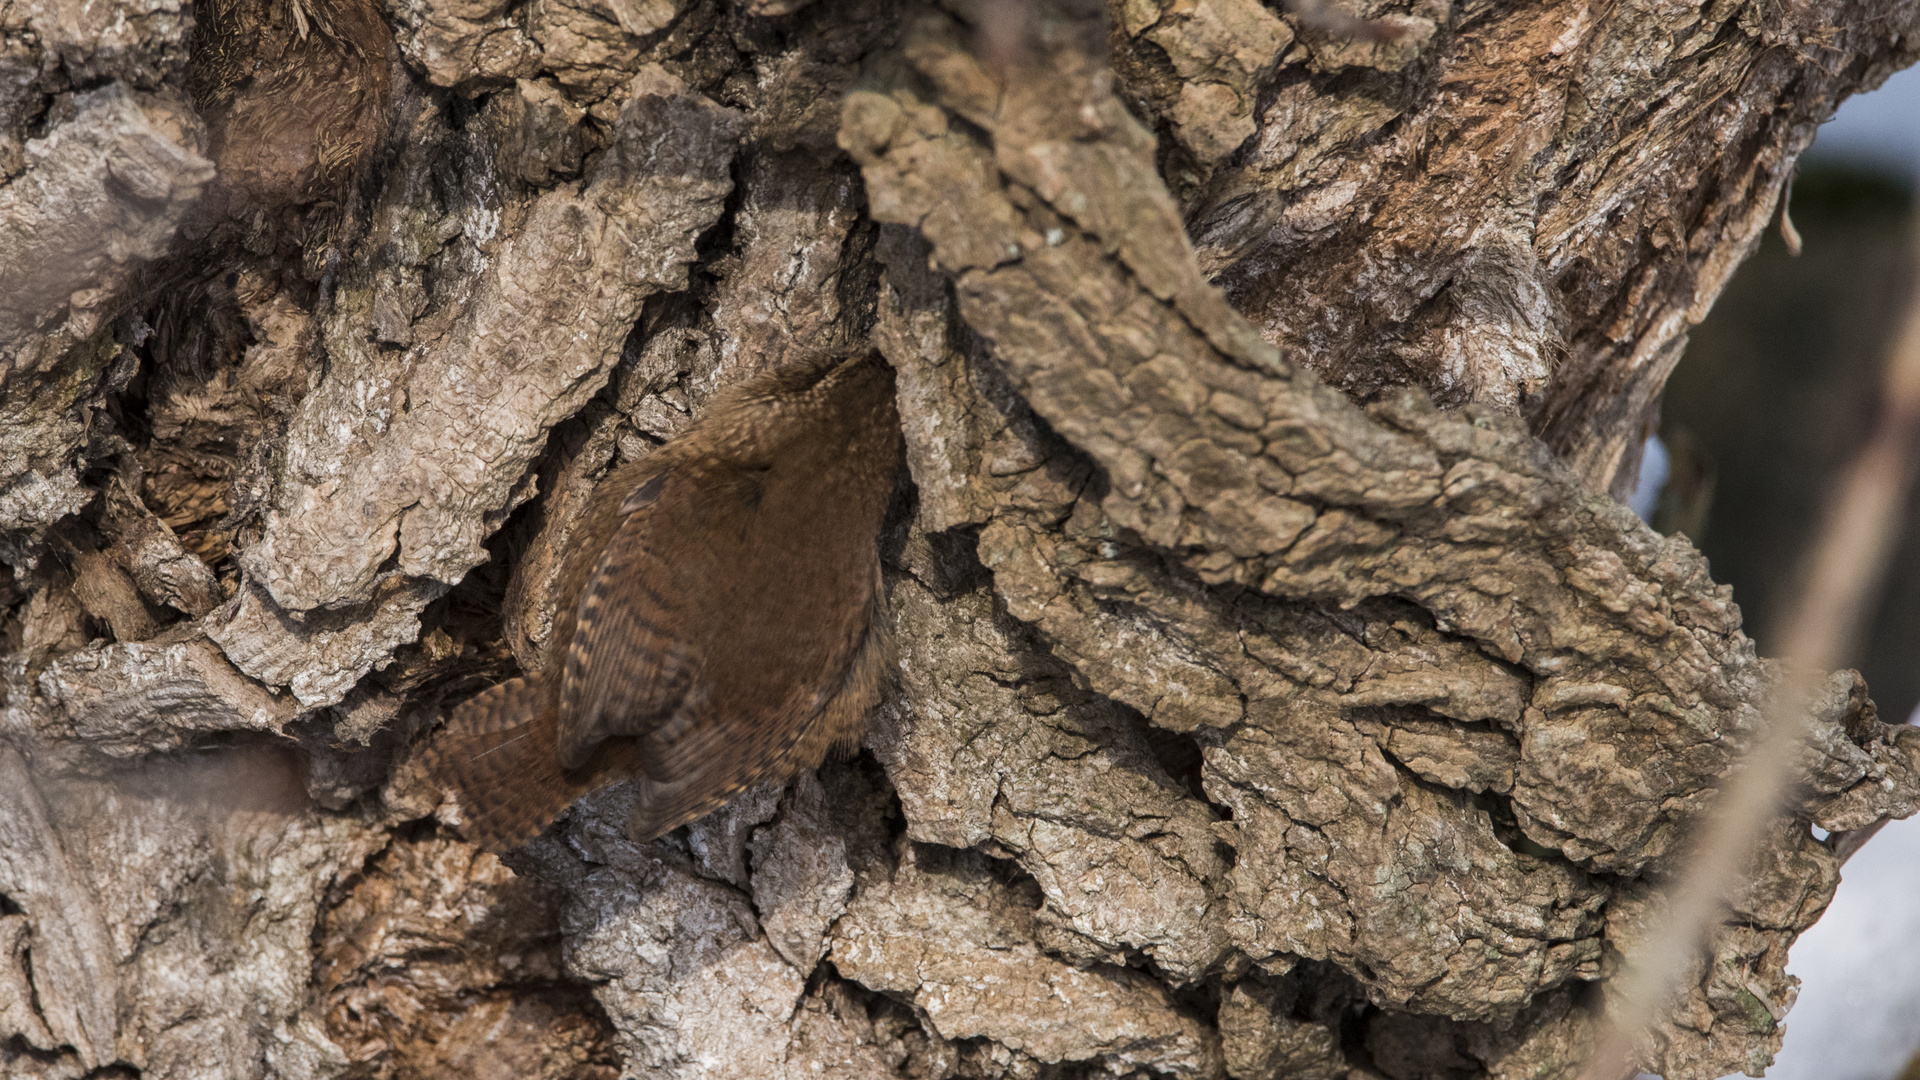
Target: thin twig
(1821,629)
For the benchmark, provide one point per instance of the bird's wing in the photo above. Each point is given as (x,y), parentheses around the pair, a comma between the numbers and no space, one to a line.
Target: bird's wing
(629,665)
(696,762)
(694,769)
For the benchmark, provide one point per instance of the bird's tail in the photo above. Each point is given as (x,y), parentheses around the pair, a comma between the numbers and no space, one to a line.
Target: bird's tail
(497,756)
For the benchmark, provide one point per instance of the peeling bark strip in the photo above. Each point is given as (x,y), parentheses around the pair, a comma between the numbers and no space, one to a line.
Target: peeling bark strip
(1239,732)
(72,957)
(93,199)
(1605,684)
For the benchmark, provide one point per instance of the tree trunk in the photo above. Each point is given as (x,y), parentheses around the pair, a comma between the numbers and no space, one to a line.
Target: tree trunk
(1280,693)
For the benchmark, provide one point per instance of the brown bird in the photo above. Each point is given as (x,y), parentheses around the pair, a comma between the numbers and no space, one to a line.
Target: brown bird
(295,94)
(720,619)
(296,97)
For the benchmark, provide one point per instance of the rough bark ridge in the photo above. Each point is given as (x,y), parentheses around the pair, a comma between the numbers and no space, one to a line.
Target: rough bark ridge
(1241,731)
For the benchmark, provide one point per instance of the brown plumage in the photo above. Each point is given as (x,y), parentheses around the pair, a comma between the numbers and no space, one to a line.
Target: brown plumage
(295,95)
(719,620)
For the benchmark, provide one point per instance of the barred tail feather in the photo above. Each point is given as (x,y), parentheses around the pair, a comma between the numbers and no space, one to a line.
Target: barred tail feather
(497,756)
(505,781)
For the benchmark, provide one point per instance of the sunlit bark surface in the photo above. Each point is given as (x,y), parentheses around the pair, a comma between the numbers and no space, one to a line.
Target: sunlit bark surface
(1280,693)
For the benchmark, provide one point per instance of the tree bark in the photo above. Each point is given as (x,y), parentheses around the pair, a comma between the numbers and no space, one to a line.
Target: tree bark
(1280,692)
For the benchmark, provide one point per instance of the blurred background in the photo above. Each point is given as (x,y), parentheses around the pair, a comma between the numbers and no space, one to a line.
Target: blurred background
(1772,397)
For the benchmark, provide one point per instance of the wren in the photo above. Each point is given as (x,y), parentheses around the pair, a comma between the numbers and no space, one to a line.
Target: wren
(721,618)
(295,95)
